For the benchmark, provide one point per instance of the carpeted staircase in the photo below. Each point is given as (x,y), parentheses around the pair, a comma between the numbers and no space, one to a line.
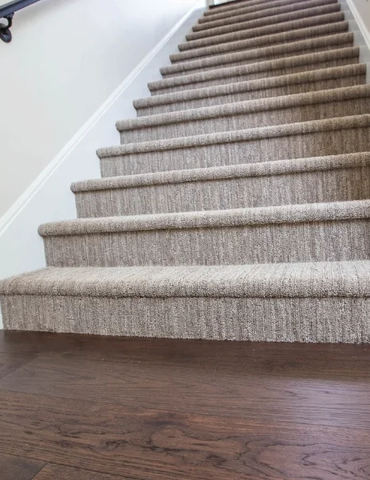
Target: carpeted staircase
(236,206)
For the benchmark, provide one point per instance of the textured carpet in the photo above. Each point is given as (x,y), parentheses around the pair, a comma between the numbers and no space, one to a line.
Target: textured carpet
(315,44)
(256,70)
(282,182)
(250,7)
(261,22)
(236,206)
(322,79)
(249,114)
(265,14)
(269,40)
(322,302)
(274,9)
(319,19)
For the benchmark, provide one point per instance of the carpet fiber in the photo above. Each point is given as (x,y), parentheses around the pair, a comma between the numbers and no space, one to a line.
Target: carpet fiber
(236,206)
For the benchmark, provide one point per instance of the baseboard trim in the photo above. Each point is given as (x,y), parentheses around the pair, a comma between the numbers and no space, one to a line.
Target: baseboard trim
(21,203)
(361,25)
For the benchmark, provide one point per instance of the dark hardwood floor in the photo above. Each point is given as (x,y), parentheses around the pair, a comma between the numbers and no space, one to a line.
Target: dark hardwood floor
(91,408)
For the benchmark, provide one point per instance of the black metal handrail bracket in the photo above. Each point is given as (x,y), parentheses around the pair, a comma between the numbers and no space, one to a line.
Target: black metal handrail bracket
(7,13)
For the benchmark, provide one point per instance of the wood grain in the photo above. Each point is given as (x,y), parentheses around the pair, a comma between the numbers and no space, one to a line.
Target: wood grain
(211,391)
(149,444)
(96,408)
(16,468)
(289,359)
(60,472)
(10,362)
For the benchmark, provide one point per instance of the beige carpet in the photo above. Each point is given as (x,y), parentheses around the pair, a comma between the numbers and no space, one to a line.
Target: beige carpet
(236,206)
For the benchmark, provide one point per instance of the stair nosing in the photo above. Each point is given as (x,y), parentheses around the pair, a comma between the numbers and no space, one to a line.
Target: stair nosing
(312,280)
(238,45)
(337,123)
(226,172)
(227,72)
(341,38)
(206,18)
(266,30)
(216,10)
(282,214)
(204,25)
(281,102)
(251,85)
(249,24)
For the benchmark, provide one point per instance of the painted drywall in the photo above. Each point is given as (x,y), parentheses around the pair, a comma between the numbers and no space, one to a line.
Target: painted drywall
(363,9)
(359,25)
(49,197)
(66,58)
(360,12)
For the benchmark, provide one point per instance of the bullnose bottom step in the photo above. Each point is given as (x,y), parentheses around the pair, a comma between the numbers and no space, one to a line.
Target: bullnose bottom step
(305,302)
(238,206)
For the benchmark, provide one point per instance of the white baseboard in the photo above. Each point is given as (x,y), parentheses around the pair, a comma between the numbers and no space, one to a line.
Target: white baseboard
(37,184)
(360,31)
(49,197)
(361,25)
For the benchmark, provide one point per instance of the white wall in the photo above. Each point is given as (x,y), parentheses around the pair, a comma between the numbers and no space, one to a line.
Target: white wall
(66,58)
(363,9)
(49,197)
(360,9)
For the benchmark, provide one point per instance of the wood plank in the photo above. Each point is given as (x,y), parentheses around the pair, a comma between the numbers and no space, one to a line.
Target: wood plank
(210,391)
(149,444)
(17,468)
(60,472)
(10,362)
(305,360)
(126,407)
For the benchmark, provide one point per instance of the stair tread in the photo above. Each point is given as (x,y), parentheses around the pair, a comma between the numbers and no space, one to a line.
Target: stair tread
(273,39)
(277,167)
(247,8)
(241,24)
(254,12)
(319,279)
(310,212)
(237,136)
(224,243)
(224,7)
(248,106)
(263,30)
(251,85)
(267,65)
(231,5)
(262,52)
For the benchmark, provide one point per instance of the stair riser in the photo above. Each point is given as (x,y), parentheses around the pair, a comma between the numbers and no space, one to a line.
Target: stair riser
(236,245)
(224,11)
(256,13)
(336,320)
(263,58)
(264,30)
(260,42)
(262,22)
(288,89)
(263,280)
(299,113)
(245,9)
(237,78)
(307,145)
(262,191)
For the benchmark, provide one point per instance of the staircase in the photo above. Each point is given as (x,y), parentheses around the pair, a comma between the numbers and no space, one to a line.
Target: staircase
(236,206)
